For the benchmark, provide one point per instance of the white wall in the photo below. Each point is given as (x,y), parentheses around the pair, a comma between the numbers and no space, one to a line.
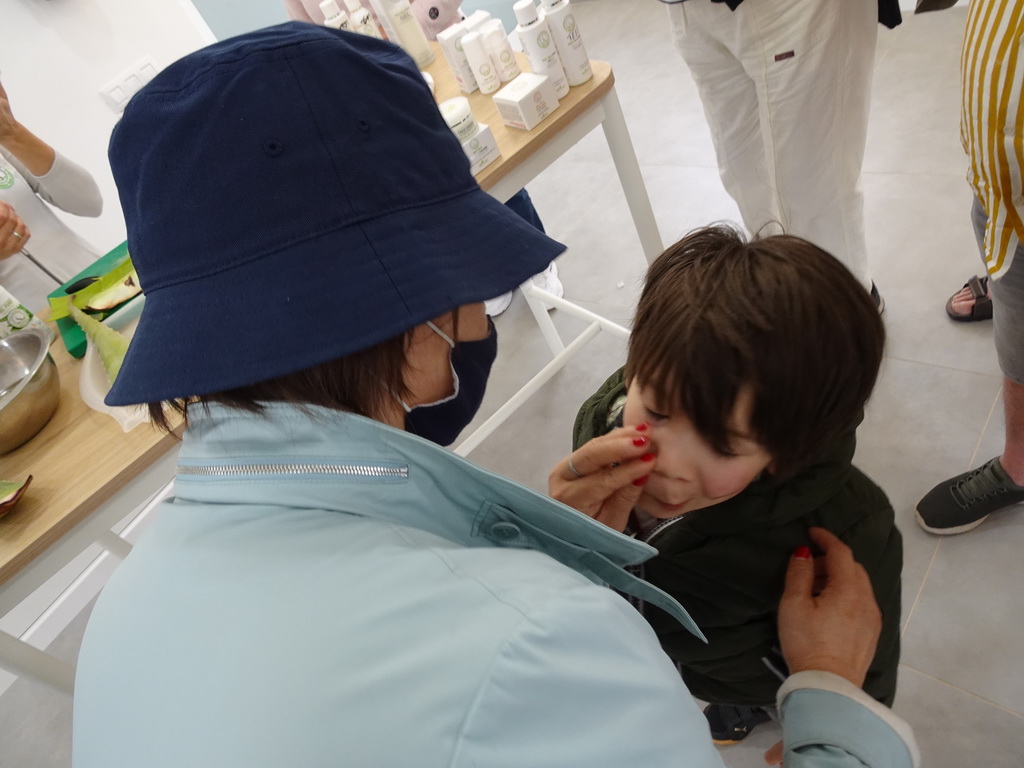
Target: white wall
(56,54)
(228,18)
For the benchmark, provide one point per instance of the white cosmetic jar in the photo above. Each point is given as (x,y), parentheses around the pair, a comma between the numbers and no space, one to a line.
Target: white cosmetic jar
(459,117)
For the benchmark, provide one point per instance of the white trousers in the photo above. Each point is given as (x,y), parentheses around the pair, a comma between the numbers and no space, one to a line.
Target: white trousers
(786,88)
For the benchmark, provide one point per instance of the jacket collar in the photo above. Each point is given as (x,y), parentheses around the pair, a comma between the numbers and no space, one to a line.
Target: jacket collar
(312,457)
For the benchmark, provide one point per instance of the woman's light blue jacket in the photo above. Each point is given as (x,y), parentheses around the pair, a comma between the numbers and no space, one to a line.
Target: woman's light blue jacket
(327,591)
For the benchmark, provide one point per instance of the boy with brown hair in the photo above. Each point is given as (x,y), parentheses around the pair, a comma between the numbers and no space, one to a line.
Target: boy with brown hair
(748,370)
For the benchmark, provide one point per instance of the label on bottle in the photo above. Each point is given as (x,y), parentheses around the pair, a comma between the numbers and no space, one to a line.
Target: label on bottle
(14,316)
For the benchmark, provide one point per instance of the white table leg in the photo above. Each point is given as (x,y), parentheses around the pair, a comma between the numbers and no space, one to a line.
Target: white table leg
(20,658)
(533,295)
(528,390)
(632,181)
(114,544)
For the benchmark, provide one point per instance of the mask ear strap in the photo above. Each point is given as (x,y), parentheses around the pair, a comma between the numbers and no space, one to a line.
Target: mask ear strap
(441,333)
(455,375)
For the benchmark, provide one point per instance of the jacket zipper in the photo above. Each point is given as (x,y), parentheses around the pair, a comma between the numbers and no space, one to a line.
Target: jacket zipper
(347,470)
(639,570)
(661,527)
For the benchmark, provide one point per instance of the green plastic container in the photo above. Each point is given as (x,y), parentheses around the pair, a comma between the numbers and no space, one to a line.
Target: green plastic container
(73,336)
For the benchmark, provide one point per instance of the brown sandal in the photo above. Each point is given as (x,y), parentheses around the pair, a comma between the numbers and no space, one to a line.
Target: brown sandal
(982,309)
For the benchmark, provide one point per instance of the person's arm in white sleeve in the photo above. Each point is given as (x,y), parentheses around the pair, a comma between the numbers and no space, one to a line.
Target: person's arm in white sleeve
(67,186)
(53,177)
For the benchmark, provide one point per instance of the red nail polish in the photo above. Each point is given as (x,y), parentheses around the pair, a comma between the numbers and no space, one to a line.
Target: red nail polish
(641,480)
(802,553)
(642,427)
(638,441)
(647,457)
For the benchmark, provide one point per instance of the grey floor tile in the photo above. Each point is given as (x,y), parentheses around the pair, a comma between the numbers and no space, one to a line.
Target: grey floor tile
(687,197)
(915,112)
(35,721)
(658,96)
(955,729)
(604,247)
(921,251)
(922,425)
(966,627)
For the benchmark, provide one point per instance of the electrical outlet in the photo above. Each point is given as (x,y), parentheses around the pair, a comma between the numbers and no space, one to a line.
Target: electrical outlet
(118,91)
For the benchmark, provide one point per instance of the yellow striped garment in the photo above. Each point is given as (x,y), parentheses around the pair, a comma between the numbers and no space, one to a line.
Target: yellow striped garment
(992,122)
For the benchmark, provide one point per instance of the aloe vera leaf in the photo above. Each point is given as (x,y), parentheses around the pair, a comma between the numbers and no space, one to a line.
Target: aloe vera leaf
(11,492)
(110,344)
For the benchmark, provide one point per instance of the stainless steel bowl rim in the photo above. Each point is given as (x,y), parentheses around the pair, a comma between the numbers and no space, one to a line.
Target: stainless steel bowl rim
(44,349)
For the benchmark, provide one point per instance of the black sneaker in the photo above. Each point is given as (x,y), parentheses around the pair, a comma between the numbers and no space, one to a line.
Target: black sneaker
(962,502)
(731,725)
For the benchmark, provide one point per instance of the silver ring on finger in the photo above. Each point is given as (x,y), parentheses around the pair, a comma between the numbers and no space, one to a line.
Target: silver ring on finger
(16,235)
(572,468)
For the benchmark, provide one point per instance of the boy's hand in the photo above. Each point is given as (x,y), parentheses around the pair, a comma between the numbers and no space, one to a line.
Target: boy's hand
(605,477)
(836,629)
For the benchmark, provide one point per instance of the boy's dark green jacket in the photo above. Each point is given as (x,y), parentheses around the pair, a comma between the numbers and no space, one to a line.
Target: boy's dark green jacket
(726,564)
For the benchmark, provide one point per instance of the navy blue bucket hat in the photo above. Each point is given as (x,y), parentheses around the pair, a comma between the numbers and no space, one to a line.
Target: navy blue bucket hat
(293,195)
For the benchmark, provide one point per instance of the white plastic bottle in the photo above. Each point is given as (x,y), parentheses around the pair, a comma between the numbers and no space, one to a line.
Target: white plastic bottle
(380,11)
(475,20)
(408,32)
(568,40)
(361,19)
(540,48)
(496,44)
(334,16)
(484,69)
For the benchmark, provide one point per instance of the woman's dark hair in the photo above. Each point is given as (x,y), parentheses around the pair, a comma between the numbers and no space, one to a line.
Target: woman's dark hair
(364,382)
(777,315)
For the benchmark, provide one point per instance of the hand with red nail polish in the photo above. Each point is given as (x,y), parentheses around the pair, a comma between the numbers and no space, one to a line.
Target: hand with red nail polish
(828,618)
(605,477)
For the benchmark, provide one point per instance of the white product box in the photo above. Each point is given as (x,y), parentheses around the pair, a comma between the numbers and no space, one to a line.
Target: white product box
(482,149)
(527,100)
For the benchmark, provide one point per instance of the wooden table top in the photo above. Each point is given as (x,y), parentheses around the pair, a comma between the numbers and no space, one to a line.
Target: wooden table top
(79,460)
(517,145)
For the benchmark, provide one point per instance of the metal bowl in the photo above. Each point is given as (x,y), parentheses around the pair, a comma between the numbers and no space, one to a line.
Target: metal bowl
(29,386)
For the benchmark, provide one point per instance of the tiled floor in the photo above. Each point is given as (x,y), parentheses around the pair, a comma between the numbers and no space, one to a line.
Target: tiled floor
(936,411)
